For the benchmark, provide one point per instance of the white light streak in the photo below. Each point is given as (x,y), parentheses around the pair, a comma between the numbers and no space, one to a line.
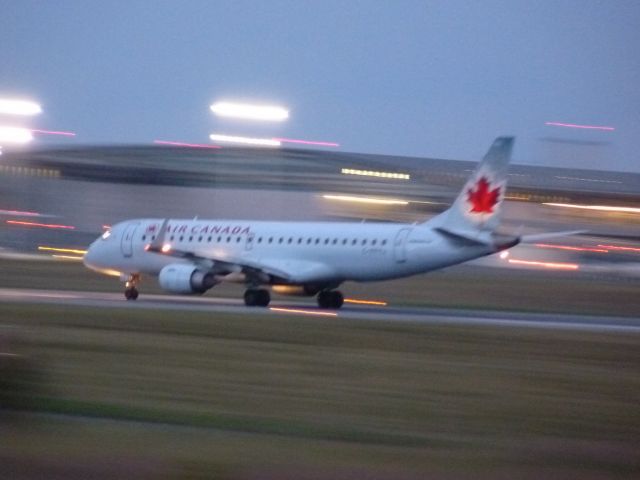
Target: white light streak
(373,173)
(601,208)
(269,113)
(260,142)
(15,135)
(19,107)
(376,201)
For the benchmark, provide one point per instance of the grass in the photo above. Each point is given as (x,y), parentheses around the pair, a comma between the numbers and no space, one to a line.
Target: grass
(203,395)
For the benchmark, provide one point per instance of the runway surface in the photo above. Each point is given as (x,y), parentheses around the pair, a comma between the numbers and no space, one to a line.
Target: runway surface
(348,312)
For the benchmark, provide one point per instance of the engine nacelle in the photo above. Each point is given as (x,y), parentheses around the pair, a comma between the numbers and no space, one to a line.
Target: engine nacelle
(181,278)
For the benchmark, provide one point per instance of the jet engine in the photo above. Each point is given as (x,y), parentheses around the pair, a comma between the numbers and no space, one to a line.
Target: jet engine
(184,278)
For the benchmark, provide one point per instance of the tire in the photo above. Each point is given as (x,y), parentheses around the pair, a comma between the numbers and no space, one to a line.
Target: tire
(131,294)
(332,299)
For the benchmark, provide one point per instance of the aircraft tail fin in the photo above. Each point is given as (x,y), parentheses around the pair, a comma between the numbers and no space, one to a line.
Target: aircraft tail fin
(475,213)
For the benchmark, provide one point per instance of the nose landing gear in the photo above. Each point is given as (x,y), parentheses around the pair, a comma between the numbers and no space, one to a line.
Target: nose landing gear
(130,290)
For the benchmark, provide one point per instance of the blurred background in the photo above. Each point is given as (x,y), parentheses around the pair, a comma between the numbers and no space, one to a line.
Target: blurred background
(285,110)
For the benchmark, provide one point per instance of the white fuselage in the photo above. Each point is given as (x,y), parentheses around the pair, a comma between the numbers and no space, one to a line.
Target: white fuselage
(337,251)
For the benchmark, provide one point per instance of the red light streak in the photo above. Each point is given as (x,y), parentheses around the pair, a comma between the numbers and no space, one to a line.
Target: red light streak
(304,312)
(54,132)
(577,249)
(364,302)
(559,266)
(307,142)
(620,248)
(573,125)
(182,144)
(42,225)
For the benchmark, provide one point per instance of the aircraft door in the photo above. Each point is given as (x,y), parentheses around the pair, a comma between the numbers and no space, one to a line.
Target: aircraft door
(400,245)
(126,244)
(250,241)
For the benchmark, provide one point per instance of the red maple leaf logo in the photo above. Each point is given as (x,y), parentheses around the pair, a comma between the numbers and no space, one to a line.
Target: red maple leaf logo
(483,199)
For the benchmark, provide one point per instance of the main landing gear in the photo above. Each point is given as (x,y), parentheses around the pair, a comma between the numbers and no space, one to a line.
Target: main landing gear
(257,297)
(330,299)
(130,290)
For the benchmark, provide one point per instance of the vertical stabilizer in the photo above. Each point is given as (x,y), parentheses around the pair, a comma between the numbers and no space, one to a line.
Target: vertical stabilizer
(475,213)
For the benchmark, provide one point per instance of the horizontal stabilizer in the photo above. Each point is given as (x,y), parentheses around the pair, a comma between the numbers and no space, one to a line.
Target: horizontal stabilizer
(536,237)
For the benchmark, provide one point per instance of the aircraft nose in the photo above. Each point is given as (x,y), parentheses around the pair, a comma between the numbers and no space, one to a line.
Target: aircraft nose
(91,256)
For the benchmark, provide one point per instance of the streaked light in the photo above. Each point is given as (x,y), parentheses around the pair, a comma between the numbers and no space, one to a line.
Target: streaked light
(54,132)
(594,180)
(42,225)
(68,257)
(307,142)
(166,248)
(106,227)
(108,271)
(19,107)
(620,248)
(567,247)
(106,234)
(183,144)
(373,173)
(15,135)
(262,142)
(573,125)
(602,208)
(552,265)
(376,201)
(246,111)
(18,213)
(303,312)
(62,250)
(365,302)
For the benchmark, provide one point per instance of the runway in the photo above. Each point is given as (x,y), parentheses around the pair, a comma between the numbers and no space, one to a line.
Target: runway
(424,315)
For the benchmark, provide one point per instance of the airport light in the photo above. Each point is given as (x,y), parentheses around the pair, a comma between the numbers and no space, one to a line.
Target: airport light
(373,173)
(375,201)
(600,208)
(269,113)
(257,142)
(584,127)
(42,225)
(550,265)
(183,144)
(19,107)
(15,135)
(54,132)
(365,302)
(303,312)
(307,142)
(62,250)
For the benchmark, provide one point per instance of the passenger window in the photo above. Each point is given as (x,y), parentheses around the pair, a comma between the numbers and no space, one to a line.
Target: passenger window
(299,240)
(191,239)
(344,241)
(144,237)
(171,238)
(270,239)
(384,242)
(373,242)
(326,241)
(364,242)
(181,238)
(238,240)
(317,241)
(290,240)
(354,241)
(308,241)
(209,239)
(219,239)
(228,239)
(335,240)
(199,239)
(259,239)
(280,240)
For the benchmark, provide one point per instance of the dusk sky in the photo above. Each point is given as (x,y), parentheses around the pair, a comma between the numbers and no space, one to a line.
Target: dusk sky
(419,78)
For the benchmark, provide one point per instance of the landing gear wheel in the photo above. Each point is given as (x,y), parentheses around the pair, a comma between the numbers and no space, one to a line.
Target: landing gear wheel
(257,297)
(330,299)
(131,293)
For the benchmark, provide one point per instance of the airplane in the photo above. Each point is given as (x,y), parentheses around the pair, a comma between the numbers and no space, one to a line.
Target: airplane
(310,258)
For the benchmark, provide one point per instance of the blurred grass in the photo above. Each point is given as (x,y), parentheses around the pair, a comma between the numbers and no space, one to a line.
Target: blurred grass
(287,397)
(467,287)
